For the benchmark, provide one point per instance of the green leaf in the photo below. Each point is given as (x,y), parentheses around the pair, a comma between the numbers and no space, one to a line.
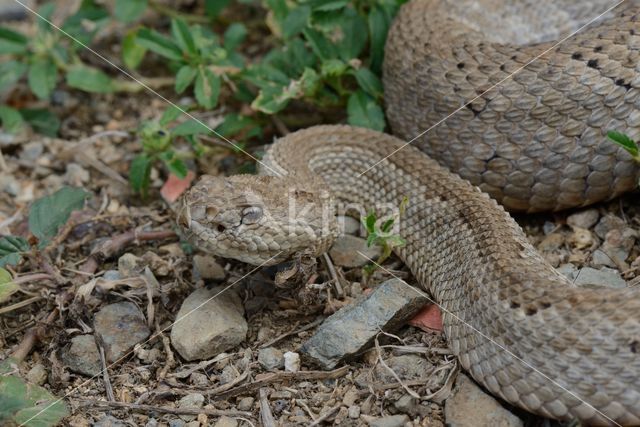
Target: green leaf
(185,77)
(176,166)
(213,7)
(295,21)
(11,248)
(89,79)
(387,225)
(11,119)
(378,22)
(333,67)
(7,286)
(369,222)
(12,42)
(139,174)
(159,44)
(10,73)
(42,77)
(42,121)
(49,213)
(279,9)
(234,123)
(234,35)
(369,82)
(190,127)
(321,46)
(170,114)
(129,10)
(26,404)
(371,239)
(624,141)
(363,111)
(207,88)
(132,52)
(324,6)
(182,36)
(354,35)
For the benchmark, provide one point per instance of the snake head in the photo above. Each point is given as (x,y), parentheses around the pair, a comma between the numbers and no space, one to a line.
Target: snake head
(261,220)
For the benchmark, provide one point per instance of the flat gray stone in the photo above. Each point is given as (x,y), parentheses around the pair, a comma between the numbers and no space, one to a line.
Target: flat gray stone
(609,277)
(352,329)
(469,406)
(584,219)
(82,356)
(389,421)
(271,358)
(346,248)
(121,326)
(208,323)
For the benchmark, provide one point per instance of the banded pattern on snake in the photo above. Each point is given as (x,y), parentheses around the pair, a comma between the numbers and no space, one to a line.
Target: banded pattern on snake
(535,142)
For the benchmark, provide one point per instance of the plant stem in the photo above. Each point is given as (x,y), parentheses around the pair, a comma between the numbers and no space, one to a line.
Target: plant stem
(165,10)
(131,86)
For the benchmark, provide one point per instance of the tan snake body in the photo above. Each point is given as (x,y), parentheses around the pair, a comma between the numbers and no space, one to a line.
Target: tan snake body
(520,328)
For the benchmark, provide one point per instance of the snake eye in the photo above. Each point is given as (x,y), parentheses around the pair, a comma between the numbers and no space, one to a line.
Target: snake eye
(251,215)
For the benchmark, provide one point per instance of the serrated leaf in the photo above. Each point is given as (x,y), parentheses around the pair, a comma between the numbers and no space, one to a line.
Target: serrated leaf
(132,52)
(234,35)
(624,141)
(185,76)
(170,114)
(27,404)
(129,10)
(207,88)
(11,248)
(41,120)
(369,82)
(363,111)
(89,79)
(12,42)
(10,73)
(139,174)
(49,213)
(11,119)
(295,21)
(190,127)
(42,77)
(7,286)
(159,44)
(182,36)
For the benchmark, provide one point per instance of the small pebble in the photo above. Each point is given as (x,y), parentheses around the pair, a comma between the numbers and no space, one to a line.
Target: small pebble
(37,374)
(193,400)
(226,422)
(270,358)
(354,412)
(584,219)
(245,404)
(345,251)
(208,267)
(291,361)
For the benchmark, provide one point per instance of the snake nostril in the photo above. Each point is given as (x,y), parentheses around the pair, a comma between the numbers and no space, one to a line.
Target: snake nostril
(220,228)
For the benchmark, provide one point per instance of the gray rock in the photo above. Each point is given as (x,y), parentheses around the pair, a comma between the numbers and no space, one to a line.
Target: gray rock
(291,361)
(568,270)
(271,358)
(609,277)
(130,265)
(406,404)
(193,400)
(9,184)
(607,223)
(11,10)
(348,225)
(76,175)
(352,329)
(469,406)
(389,421)
(112,275)
(209,322)
(32,151)
(245,404)
(408,367)
(601,258)
(584,219)
(208,268)
(82,355)
(354,412)
(344,251)
(121,326)
(177,423)
(616,247)
(109,421)
(226,422)
(37,374)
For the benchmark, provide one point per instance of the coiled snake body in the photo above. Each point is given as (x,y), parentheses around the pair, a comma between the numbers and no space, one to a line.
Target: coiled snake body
(534,142)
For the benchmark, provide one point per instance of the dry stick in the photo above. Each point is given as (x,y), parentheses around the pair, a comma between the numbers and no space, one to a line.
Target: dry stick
(114,245)
(32,336)
(326,415)
(20,304)
(265,412)
(105,371)
(165,410)
(334,275)
(282,377)
(32,278)
(294,332)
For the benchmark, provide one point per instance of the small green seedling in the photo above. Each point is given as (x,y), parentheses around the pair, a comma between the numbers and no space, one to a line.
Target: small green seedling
(382,236)
(625,142)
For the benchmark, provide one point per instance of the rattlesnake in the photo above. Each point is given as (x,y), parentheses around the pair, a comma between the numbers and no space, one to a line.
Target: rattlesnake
(534,142)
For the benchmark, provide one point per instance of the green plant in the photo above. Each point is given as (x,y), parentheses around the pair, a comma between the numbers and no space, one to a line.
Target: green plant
(46,216)
(625,142)
(381,235)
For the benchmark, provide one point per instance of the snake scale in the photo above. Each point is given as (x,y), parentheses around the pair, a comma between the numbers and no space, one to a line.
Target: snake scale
(534,142)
